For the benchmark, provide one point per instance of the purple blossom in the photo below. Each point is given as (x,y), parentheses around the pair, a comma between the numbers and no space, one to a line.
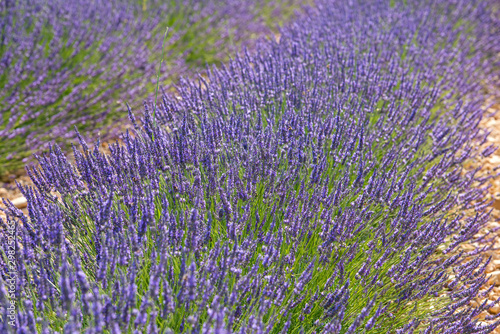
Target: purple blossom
(303,186)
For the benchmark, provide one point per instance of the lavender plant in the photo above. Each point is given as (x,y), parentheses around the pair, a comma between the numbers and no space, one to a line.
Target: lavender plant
(316,185)
(65,64)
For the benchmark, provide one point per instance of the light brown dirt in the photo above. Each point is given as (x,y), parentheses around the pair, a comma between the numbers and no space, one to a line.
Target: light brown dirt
(491,165)
(10,191)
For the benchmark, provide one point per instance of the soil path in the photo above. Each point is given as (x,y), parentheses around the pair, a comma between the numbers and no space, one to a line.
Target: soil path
(490,165)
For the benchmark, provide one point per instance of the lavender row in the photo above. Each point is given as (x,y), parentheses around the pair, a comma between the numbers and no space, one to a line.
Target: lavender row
(65,64)
(316,185)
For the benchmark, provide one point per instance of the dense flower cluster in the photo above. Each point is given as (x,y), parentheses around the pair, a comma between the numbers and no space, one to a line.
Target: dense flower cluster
(69,63)
(314,186)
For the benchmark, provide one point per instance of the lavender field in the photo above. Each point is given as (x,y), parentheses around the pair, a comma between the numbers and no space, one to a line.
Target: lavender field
(306,167)
(77,63)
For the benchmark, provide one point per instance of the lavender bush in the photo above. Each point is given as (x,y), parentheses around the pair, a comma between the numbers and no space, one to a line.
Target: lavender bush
(70,63)
(315,186)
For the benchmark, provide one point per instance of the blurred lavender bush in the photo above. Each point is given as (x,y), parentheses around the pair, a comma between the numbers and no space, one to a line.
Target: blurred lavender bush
(315,186)
(67,63)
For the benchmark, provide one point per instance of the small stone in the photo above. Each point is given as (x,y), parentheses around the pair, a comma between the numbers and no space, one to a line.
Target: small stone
(495,159)
(468,247)
(495,309)
(20,202)
(490,268)
(494,277)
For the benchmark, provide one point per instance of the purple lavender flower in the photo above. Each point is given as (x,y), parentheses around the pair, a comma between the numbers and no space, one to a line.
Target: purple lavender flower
(306,186)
